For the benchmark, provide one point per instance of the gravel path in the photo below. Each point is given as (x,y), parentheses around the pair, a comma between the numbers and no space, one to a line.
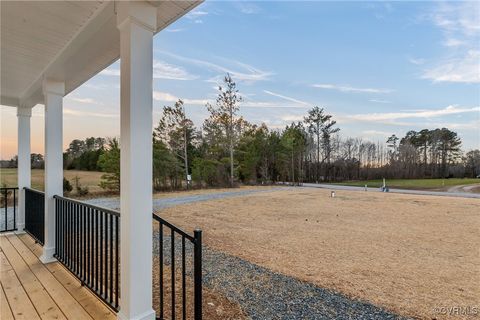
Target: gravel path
(158,204)
(404,191)
(264,294)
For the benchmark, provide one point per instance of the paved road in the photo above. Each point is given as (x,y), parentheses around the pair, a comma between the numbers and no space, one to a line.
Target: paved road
(405,191)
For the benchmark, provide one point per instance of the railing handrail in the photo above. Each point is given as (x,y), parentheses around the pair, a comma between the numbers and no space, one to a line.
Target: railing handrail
(171,226)
(33,190)
(88,244)
(8,188)
(88,205)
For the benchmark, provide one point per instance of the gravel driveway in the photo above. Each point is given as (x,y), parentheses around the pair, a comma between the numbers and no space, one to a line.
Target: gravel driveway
(158,204)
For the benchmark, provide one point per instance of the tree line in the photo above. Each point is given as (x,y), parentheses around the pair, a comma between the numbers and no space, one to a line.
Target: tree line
(228,149)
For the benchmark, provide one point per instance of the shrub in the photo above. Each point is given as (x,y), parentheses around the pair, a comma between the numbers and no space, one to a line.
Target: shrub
(81,191)
(67,187)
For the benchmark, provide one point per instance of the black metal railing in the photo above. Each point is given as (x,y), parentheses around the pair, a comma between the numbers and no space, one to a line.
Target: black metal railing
(87,243)
(171,300)
(8,209)
(35,214)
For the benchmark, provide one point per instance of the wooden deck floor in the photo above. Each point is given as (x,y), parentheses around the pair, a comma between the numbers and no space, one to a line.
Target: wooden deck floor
(31,290)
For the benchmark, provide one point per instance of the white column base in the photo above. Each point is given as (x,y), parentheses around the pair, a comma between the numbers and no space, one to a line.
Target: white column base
(20,228)
(149,315)
(47,255)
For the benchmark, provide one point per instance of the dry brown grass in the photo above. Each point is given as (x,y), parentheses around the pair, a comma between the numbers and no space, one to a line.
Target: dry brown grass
(407,253)
(90,179)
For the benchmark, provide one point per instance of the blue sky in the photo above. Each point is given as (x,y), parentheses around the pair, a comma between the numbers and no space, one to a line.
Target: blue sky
(378,67)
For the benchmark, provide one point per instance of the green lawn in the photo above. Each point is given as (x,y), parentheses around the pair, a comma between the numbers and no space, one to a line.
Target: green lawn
(423,184)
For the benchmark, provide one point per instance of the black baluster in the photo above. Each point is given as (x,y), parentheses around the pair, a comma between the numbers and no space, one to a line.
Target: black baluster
(160,240)
(184,293)
(172,257)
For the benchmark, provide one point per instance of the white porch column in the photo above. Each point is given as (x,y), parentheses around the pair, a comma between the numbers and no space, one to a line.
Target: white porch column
(53,92)
(137,23)
(24,164)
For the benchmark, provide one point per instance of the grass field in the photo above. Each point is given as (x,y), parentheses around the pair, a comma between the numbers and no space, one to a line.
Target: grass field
(407,253)
(420,184)
(91,179)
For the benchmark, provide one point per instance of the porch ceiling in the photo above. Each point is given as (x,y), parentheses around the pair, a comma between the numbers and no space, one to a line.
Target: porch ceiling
(68,41)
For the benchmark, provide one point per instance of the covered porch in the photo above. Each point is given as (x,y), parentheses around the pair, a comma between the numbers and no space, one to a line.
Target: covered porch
(48,50)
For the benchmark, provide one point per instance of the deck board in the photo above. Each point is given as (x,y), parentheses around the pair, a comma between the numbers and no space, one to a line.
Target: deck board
(5,311)
(94,307)
(43,303)
(18,300)
(32,290)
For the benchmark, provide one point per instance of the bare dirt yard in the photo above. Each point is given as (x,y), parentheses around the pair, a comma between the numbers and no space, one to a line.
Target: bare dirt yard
(413,255)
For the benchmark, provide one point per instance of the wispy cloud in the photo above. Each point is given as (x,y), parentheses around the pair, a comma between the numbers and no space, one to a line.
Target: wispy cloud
(425,114)
(375,133)
(110,71)
(351,89)
(161,70)
(286,98)
(417,61)
(168,97)
(464,68)
(174,29)
(238,70)
(247,7)
(79,113)
(270,105)
(379,101)
(83,100)
(97,86)
(460,24)
(452,42)
(196,15)
(164,70)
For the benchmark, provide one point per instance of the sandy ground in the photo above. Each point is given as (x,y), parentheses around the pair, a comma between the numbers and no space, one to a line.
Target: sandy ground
(410,254)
